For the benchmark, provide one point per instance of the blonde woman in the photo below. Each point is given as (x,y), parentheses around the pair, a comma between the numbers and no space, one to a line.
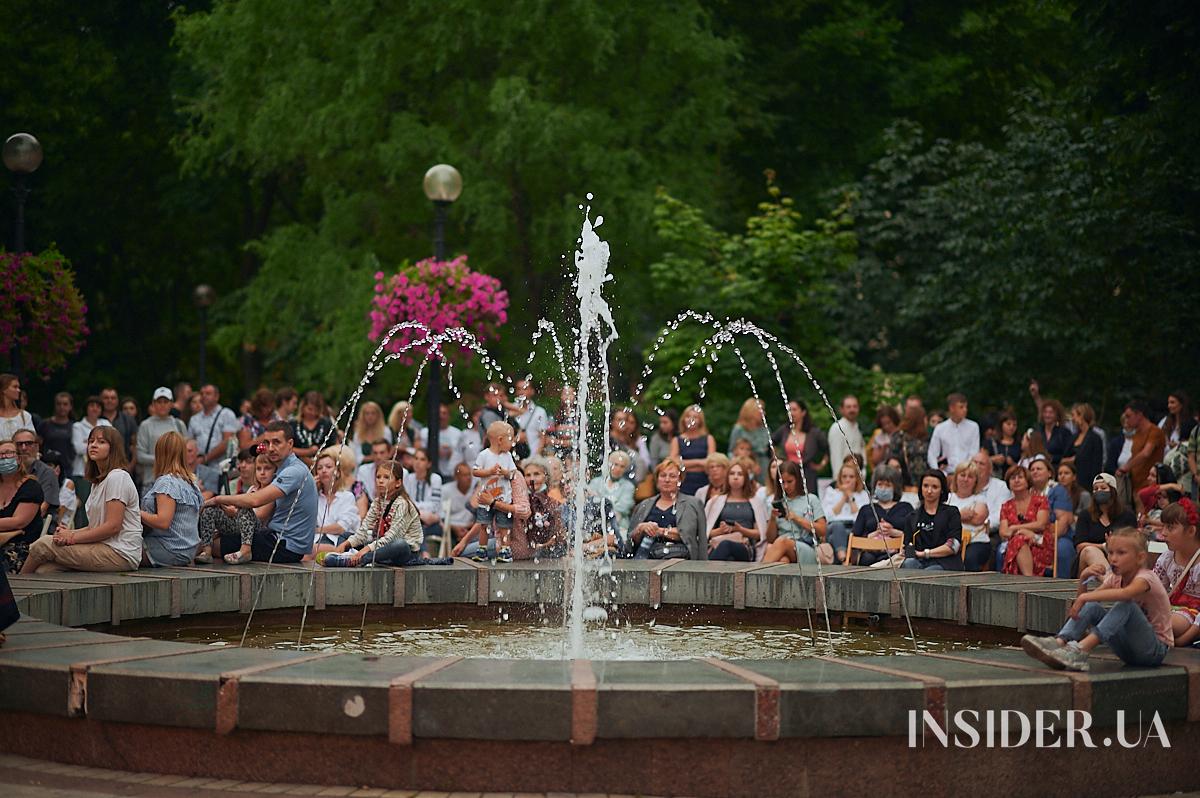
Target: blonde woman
(368,428)
(750,427)
(841,502)
(337,512)
(716,468)
(112,540)
(403,425)
(615,488)
(171,508)
(973,511)
(691,447)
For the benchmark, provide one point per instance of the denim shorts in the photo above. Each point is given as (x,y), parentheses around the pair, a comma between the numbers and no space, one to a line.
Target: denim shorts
(485,516)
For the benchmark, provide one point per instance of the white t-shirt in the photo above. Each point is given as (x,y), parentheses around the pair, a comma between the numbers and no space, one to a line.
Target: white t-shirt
(461,513)
(448,437)
(9,426)
(118,485)
(501,485)
(426,495)
(1126,452)
(841,445)
(207,429)
(979,532)
(534,422)
(830,497)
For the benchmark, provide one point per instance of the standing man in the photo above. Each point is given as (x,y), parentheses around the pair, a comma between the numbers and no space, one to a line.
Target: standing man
(845,438)
(956,439)
(183,397)
(493,410)
(213,426)
(533,419)
(1143,445)
(110,409)
(288,537)
(449,454)
(158,423)
(27,452)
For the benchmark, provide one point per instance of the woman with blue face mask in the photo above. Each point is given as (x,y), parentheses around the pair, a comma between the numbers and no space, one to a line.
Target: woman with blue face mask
(886,516)
(20,508)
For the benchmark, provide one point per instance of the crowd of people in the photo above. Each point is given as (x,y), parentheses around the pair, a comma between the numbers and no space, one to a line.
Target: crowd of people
(195,481)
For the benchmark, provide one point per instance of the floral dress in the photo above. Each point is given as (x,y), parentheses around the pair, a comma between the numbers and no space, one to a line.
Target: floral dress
(1043,555)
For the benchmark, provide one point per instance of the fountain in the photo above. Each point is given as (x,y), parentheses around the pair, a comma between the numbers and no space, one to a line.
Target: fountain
(385,677)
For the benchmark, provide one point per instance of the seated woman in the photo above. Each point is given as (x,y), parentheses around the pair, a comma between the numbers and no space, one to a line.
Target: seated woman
(933,534)
(533,533)
(841,502)
(112,540)
(800,522)
(424,485)
(615,488)
(20,509)
(738,521)
(226,528)
(1092,528)
(391,532)
(1028,538)
(886,517)
(973,510)
(670,524)
(171,507)
(716,466)
(337,510)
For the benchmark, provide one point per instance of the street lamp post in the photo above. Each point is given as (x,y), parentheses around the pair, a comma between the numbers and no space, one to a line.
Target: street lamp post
(204,295)
(443,185)
(22,156)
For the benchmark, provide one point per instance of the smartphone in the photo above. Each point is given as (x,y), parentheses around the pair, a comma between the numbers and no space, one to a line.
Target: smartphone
(780,507)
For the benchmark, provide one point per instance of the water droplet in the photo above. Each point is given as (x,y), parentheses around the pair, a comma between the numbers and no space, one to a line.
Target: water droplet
(589,195)
(499,594)
(505,616)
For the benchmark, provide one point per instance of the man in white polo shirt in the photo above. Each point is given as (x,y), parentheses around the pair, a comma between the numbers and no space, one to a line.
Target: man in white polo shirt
(956,439)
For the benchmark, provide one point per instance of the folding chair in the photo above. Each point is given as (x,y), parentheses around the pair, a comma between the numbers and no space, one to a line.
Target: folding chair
(863,543)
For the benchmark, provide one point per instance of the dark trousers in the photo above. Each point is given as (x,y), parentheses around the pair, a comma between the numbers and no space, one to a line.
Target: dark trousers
(731,551)
(265,547)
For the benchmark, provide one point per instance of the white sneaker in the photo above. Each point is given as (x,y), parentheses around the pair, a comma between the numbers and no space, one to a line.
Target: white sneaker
(1042,649)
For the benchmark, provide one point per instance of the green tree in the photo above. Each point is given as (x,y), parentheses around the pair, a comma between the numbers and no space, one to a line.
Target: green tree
(341,107)
(779,274)
(1055,254)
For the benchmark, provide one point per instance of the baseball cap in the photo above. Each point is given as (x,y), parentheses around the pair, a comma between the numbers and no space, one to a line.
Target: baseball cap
(1107,479)
(163,393)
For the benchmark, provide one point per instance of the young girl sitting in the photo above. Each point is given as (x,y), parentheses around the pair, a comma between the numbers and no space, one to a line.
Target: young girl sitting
(391,532)
(1137,628)
(1179,570)
(225,527)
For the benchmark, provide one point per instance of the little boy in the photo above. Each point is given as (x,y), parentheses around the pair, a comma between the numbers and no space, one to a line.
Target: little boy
(495,468)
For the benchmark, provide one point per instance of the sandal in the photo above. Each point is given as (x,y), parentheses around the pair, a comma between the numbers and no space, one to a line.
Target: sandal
(237,558)
(203,558)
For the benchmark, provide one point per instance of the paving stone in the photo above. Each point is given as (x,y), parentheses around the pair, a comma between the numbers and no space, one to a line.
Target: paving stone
(332,791)
(193,783)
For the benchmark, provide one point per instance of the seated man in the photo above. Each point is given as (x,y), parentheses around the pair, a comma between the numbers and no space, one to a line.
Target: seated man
(295,495)
(30,457)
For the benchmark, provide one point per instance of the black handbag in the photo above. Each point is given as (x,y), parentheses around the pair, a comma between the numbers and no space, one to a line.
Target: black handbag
(663,549)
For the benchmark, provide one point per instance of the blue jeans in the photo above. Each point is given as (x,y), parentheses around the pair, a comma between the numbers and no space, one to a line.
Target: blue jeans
(1066,555)
(925,565)
(1124,628)
(837,534)
(978,553)
(394,553)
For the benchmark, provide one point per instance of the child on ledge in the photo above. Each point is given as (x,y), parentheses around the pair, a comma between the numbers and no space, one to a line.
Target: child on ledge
(495,468)
(1137,628)
(1179,570)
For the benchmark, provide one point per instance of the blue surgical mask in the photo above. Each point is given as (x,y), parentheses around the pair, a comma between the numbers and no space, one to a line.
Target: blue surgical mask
(883,494)
(1102,496)
(8,465)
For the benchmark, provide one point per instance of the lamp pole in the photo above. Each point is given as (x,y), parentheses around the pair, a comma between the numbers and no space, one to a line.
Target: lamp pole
(22,156)
(203,297)
(443,185)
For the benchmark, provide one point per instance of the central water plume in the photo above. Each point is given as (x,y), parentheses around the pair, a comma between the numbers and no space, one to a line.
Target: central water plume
(591,273)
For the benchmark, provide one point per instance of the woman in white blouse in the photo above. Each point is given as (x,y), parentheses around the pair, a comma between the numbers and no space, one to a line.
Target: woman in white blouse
(337,512)
(841,502)
(973,509)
